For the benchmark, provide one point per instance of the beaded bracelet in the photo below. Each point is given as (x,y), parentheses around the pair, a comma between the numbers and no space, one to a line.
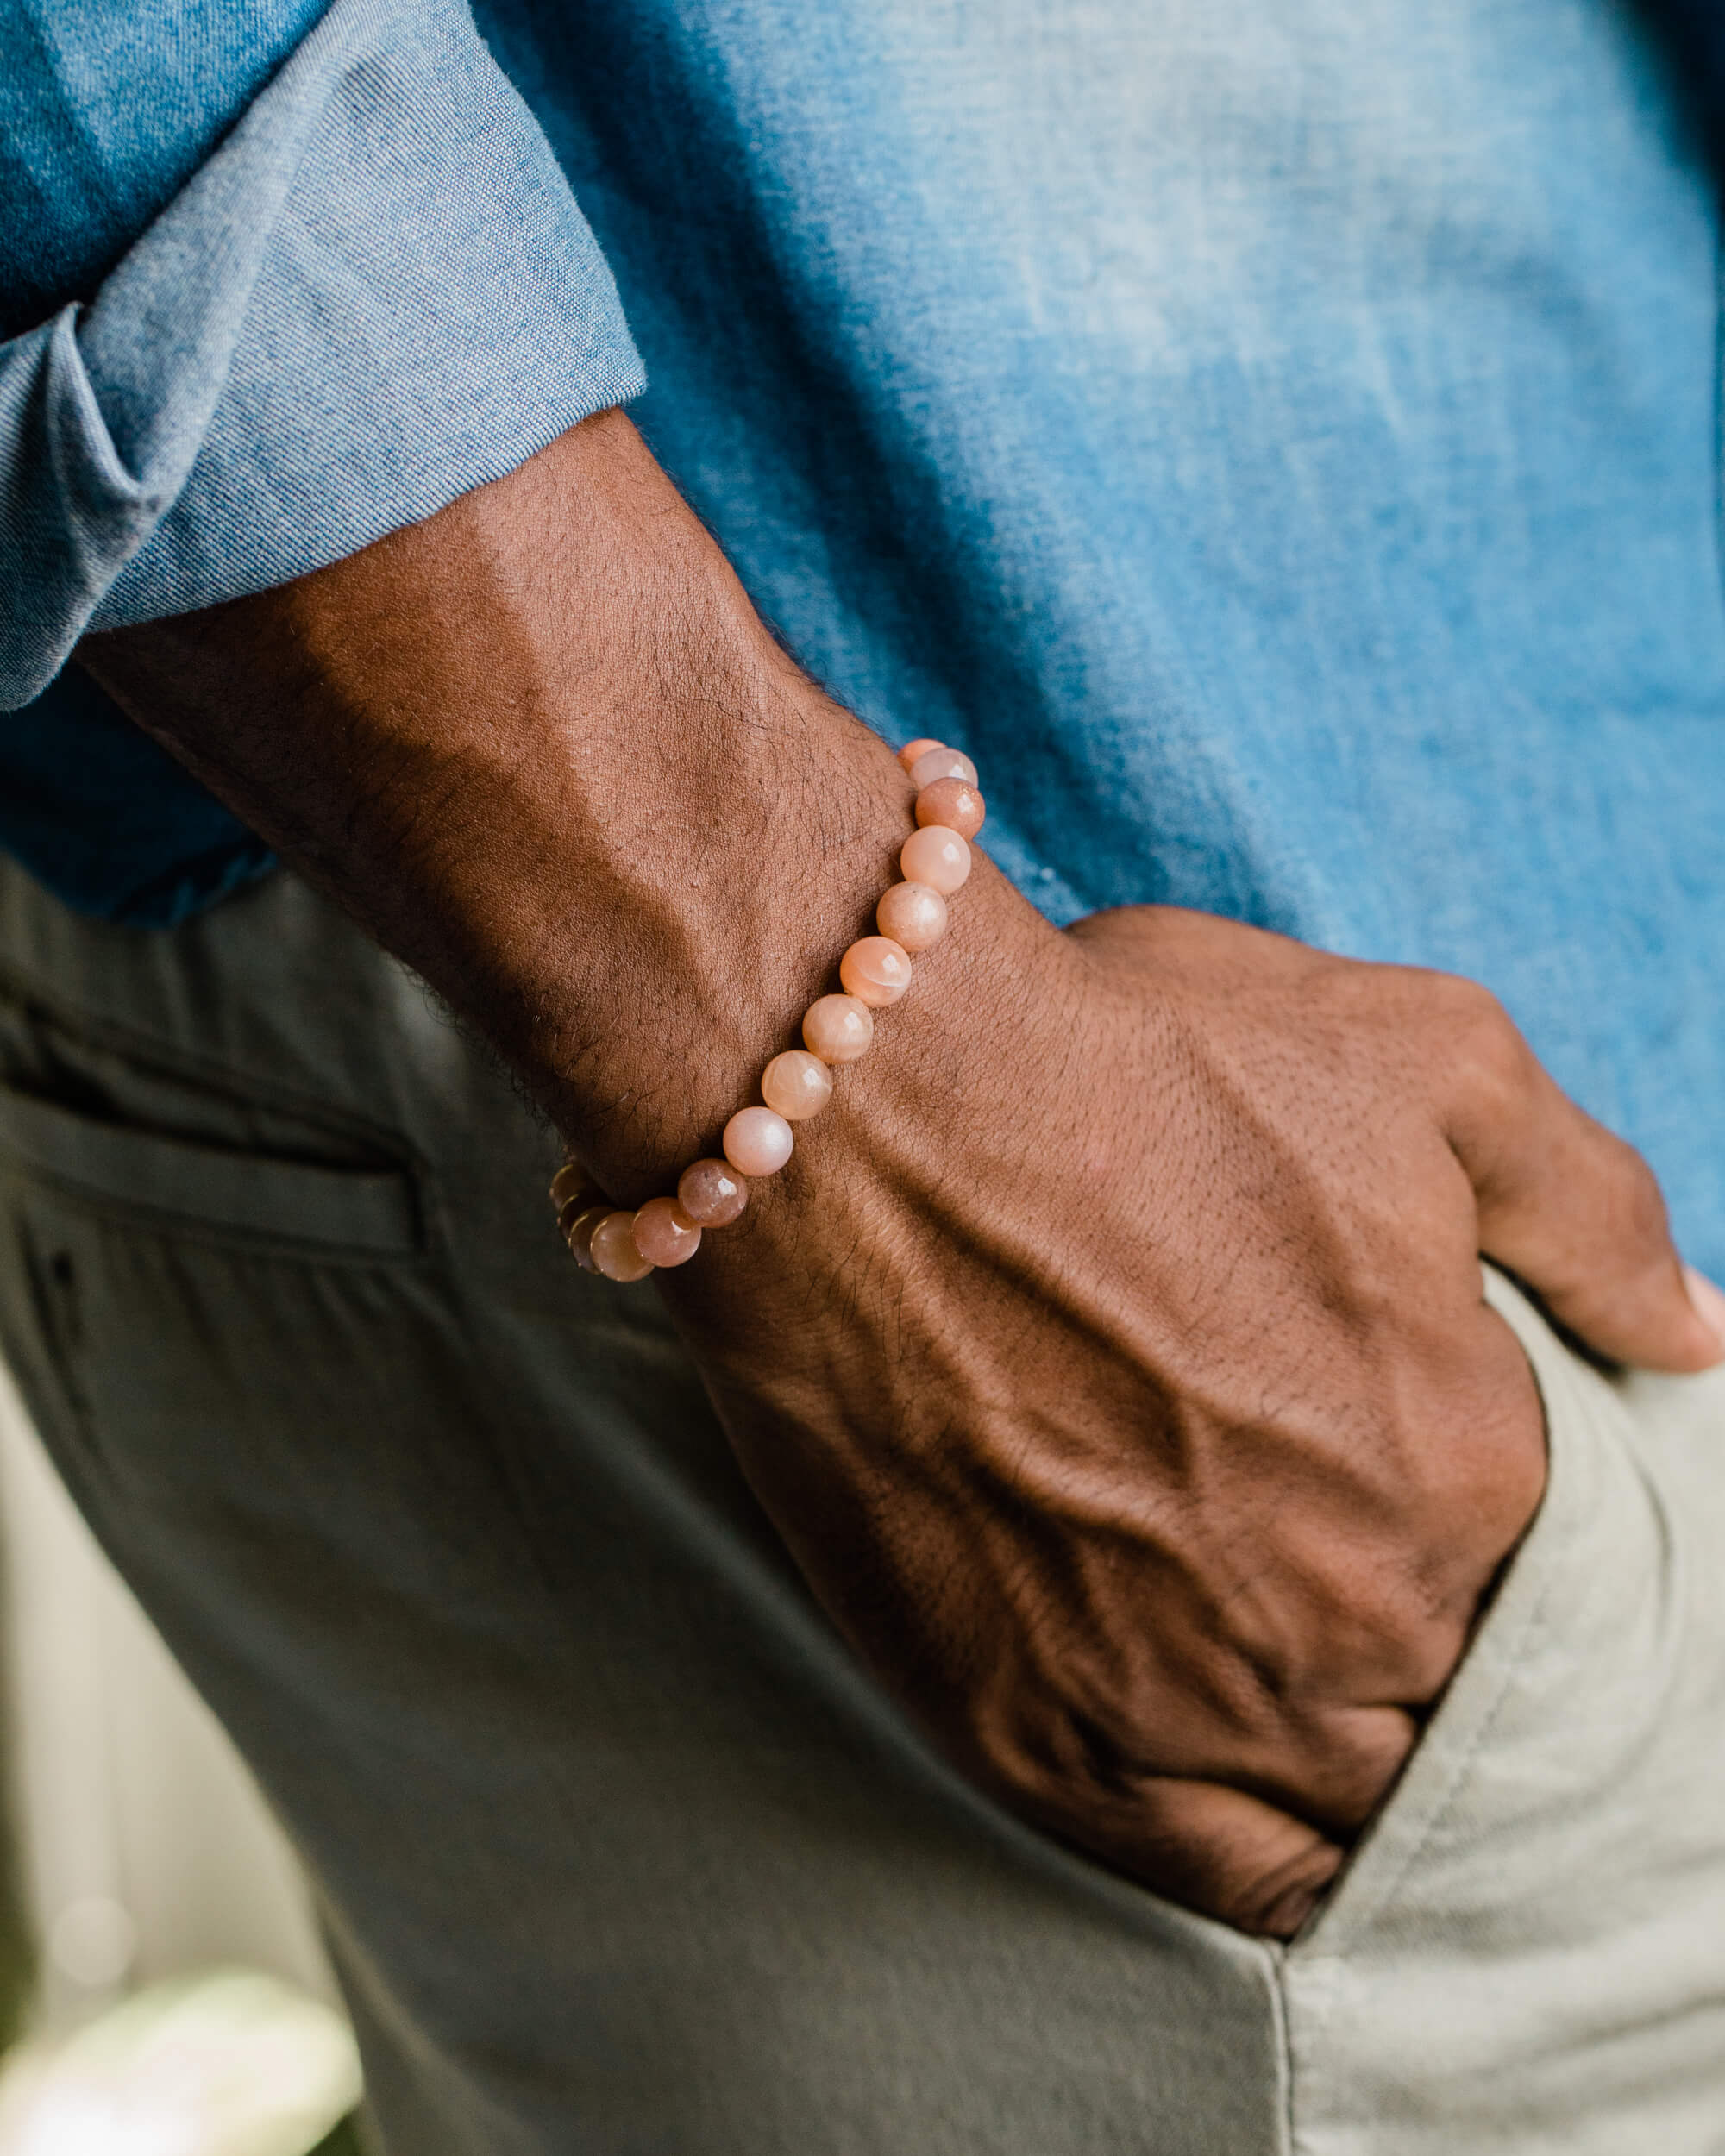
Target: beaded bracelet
(837,1028)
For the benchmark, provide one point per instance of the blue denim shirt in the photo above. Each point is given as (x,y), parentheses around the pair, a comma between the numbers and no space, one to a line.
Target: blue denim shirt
(1281,443)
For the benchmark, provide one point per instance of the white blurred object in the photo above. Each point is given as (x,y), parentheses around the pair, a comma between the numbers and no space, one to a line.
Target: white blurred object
(233,2064)
(146,1850)
(94,1942)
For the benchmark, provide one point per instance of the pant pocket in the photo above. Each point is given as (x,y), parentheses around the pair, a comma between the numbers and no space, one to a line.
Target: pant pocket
(1528,1951)
(152,1224)
(110,1125)
(217,1191)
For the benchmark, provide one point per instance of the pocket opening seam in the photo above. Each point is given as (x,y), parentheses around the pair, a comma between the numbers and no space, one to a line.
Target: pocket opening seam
(172,1064)
(177,1189)
(1356,1916)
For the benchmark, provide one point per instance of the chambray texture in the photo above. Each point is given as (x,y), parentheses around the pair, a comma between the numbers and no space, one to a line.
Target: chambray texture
(1279,441)
(375,293)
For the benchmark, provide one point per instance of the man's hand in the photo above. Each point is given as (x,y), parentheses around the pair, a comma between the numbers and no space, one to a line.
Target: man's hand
(1111,1353)
(1130,1397)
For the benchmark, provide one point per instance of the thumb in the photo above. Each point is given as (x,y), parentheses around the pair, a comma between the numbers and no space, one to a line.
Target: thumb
(1578,1215)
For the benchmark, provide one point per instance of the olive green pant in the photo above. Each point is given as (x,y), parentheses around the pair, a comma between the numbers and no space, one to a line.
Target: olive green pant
(621,1855)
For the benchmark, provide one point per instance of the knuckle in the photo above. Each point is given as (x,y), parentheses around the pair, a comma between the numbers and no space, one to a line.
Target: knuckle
(1638,1222)
(1483,1048)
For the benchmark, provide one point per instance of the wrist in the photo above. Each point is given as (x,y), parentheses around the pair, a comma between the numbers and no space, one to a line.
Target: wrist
(725,900)
(544,750)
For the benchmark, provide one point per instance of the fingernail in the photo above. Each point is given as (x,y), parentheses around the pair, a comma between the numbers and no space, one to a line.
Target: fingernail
(1707,1302)
(1289,1912)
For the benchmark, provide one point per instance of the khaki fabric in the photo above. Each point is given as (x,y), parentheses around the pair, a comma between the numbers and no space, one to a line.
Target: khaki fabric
(1528,1951)
(621,1854)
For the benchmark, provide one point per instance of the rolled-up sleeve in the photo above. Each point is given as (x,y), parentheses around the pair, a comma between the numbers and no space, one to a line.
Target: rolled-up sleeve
(375,293)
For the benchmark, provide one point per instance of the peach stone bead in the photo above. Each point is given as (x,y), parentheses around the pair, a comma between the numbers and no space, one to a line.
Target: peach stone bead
(838,1028)
(578,1233)
(570,1180)
(875,970)
(913,915)
(615,1251)
(664,1234)
(712,1193)
(942,763)
(936,857)
(954,804)
(796,1084)
(757,1142)
(912,749)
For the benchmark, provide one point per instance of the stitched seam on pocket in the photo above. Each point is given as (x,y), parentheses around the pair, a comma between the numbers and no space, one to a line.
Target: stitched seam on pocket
(189,1228)
(173,1064)
(116,1170)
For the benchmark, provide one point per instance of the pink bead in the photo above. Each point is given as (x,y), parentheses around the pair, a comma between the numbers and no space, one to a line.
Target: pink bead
(757,1142)
(615,1252)
(875,970)
(954,804)
(838,1028)
(912,914)
(912,749)
(570,1180)
(664,1234)
(578,1233)
(570,1211)
(942,763)
(796,1084)
(936,857)
(712,1193)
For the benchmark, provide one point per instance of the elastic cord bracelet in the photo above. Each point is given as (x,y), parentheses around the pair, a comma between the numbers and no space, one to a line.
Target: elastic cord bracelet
(836,1029)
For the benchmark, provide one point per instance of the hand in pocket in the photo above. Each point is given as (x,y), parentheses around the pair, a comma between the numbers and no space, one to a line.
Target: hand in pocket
(1128,1394)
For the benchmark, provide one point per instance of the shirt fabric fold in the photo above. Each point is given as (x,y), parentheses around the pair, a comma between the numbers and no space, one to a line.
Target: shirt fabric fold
(376,294)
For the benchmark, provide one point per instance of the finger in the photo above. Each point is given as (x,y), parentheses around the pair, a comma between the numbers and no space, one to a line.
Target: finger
(1230,1855)
(1572,1210)
(1708,1301)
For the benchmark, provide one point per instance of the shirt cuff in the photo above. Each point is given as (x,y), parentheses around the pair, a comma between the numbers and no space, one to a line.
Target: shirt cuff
(377,294)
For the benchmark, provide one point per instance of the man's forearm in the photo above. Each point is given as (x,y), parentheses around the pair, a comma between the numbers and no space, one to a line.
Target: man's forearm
(543,748)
